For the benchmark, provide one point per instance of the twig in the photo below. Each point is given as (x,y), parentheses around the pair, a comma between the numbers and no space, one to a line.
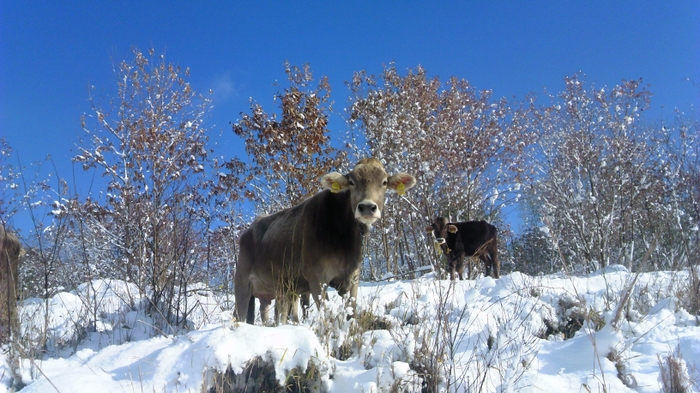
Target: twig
(32,361)
(419,270)
(628,291)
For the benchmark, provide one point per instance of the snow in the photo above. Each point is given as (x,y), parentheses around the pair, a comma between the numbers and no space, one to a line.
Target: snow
(487,334)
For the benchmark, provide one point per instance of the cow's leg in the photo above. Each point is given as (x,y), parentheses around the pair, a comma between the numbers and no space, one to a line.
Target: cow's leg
(305,303)
(316,292)
(487,263)
(293,309)
(460,267)
(250,315)
(353,285)
(245,302)
(294,301)
(349,285)
(469,268)
(265,311)
(282,304)
(243,292)
(493,253)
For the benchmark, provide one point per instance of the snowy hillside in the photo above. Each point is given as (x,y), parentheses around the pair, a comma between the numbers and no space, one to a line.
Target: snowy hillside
(519,333)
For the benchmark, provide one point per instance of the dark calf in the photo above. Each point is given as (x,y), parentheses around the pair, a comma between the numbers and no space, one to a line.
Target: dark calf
(470,238)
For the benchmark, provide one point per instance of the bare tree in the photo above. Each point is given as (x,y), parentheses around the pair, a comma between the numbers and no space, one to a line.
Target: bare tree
(9,187)
(289,155)
(534,253)
(679,210)
(222,213)
(600,188)
(677,218)
(151,146)
(463,146)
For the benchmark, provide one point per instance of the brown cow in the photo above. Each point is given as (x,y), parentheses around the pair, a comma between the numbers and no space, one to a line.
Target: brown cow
(315,243)
(470,238)
(10,250)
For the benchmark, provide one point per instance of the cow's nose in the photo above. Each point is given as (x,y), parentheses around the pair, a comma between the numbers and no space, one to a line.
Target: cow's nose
(440,240)
(367,208)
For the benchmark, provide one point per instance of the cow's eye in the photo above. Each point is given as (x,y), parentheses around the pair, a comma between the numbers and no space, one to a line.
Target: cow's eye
(351,183)
(385,183)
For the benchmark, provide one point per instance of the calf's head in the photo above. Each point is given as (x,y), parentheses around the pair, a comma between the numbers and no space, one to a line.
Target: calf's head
(439,228)
(367,184)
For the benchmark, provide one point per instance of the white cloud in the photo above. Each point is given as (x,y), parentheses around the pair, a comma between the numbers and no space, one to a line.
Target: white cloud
(224,87)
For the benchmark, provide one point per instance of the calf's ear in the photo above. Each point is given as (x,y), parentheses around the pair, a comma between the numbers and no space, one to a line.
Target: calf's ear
(334,181)
(401,182)
(451,229)
(429,228)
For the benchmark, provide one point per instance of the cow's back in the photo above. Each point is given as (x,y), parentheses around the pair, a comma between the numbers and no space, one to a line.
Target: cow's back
(473,234)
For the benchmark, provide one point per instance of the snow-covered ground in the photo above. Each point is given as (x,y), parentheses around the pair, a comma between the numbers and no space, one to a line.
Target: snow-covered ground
(517,333)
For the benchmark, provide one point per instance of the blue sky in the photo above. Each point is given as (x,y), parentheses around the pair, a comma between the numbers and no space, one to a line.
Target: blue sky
(51,51)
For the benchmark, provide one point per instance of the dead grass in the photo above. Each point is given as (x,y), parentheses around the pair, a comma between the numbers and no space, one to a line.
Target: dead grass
(675,373)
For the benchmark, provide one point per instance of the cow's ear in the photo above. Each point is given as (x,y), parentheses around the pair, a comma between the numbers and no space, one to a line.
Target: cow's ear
(429,228)
(334,181)
(401,182)
(451,229)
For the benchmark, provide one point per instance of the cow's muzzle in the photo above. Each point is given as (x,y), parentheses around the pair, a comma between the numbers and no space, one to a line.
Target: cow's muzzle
(367,212)
(441,245)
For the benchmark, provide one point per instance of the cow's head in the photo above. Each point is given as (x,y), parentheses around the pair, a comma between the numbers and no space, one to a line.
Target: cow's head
(439,228)
(367,183)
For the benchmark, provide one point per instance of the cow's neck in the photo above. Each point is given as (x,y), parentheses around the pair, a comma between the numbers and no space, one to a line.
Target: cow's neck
(342,221)
(364,228)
